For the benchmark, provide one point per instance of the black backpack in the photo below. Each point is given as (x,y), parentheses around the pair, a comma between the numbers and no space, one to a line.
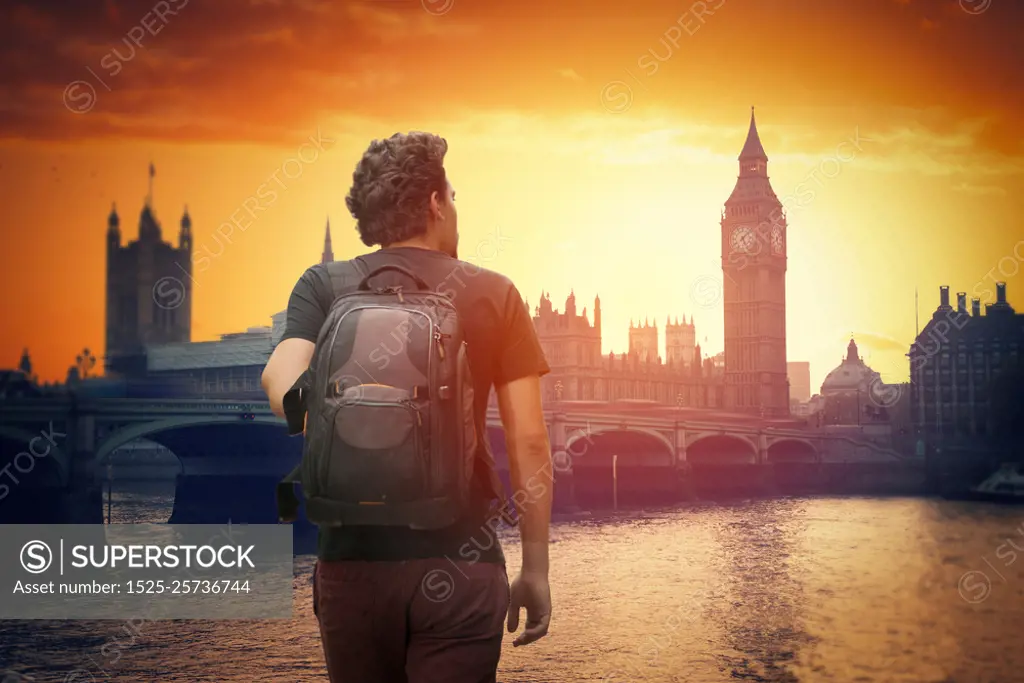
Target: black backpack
(387,410)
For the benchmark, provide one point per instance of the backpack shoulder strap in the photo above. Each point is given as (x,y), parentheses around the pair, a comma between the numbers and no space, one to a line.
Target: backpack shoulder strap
(346,275)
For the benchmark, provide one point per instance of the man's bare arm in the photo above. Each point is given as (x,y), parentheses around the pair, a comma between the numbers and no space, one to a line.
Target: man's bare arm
(529,456)
(289,360)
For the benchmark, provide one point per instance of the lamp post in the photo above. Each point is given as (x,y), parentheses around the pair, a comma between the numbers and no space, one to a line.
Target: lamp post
(110,490)
(615,482)
(680,401)
(85,361)
(683,478)
(562,460)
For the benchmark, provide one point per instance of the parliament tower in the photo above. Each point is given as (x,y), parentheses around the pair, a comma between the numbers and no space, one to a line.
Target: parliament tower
(149,289)
(754,288)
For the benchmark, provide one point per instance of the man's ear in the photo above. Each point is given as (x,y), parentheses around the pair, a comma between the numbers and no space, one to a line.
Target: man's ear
(435,205)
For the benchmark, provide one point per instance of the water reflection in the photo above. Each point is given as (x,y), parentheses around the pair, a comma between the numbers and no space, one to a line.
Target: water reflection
(974,588)
(800,590)
(760,611)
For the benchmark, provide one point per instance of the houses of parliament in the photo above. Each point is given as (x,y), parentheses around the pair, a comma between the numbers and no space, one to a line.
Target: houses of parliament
(753,377)
(580,372)
(145,336)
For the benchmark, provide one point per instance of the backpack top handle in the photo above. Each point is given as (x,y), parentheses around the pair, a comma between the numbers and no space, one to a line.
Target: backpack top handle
(365,284)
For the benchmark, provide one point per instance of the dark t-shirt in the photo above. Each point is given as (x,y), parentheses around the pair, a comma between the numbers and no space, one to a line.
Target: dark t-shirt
(502,346)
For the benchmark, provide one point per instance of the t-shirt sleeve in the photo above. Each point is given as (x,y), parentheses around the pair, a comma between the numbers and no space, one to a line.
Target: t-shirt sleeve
(521,354)
(307,306)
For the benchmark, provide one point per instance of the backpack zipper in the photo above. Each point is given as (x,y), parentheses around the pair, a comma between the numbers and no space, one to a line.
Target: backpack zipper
(419,417)
(403,402)
(439,337)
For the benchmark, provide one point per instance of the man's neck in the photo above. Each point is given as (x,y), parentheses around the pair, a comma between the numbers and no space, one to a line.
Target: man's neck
(417,242)
(420,243)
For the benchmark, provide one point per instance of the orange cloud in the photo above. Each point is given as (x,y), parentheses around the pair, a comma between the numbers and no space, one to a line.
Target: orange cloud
(284,65)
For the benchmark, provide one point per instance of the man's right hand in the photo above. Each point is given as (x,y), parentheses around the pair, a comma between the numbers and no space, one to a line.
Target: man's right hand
(530,590)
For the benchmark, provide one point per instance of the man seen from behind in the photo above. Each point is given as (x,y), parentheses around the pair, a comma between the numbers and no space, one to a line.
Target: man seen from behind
(399,604)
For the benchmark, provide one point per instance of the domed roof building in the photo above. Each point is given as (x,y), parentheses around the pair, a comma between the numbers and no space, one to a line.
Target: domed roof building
(853,393)
(850,376)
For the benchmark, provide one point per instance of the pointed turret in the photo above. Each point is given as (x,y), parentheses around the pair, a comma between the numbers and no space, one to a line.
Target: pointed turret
(149,227)
(328,254)
(149,195)
(752,148)
(545,307)
(25,364)
(113,228)
(185,234)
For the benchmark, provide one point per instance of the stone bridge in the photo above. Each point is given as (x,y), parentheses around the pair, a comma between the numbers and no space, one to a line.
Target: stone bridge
(63,443)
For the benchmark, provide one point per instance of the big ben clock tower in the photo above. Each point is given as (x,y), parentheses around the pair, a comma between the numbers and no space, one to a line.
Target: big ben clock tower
(754,288)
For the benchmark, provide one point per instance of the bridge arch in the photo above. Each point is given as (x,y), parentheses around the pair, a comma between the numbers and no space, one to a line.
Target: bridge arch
(721,449)
(131,432)
(637,465)
(54,463)
(788,449)
(576,444)
(229,466)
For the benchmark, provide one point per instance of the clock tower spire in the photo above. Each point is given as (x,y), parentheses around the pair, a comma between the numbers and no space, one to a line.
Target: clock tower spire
(754,282)
(752,150)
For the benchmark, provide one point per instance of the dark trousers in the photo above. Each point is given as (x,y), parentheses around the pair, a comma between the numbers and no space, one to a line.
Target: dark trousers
(417,621)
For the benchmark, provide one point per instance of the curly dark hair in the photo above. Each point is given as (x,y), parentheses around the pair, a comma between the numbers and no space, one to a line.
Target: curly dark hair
(392,184)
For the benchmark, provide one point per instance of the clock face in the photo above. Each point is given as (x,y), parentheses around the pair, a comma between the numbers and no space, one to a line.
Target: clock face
(777,240)
(743,239)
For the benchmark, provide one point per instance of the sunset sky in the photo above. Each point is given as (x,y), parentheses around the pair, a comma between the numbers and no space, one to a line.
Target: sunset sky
(599,139)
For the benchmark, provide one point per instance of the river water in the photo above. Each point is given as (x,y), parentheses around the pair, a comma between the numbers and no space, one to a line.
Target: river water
(844,590)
